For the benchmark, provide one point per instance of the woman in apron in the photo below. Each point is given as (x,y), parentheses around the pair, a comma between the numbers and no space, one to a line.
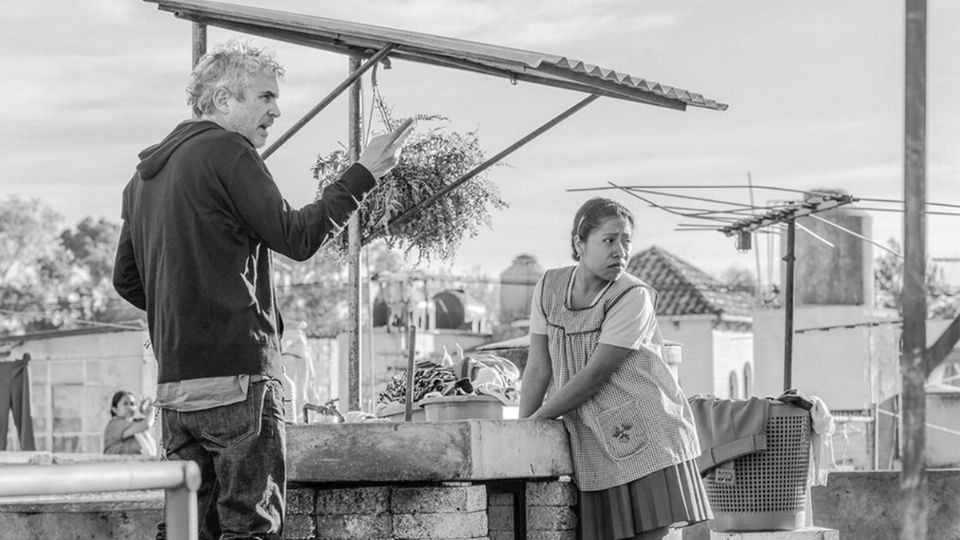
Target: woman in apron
(594,336)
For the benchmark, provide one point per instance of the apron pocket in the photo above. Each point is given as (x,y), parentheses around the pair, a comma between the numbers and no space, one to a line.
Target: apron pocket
(622,431)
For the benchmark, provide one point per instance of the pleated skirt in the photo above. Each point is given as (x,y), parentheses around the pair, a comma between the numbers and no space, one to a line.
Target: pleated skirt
(671,497)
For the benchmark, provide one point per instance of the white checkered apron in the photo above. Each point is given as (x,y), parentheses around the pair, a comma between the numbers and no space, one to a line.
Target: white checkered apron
(639,422)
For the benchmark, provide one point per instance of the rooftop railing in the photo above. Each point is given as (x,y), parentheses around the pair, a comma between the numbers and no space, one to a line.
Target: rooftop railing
(179,480)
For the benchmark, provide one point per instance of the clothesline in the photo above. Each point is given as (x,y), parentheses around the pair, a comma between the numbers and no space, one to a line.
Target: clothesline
(928,424)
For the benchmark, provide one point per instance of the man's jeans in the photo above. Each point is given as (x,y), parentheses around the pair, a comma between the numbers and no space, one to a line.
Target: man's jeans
(240,450)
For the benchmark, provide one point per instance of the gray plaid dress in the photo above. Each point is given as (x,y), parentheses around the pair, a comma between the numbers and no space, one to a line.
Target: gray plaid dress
(636,435)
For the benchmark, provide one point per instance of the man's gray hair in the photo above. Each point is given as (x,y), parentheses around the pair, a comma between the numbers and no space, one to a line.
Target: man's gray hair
(229,66)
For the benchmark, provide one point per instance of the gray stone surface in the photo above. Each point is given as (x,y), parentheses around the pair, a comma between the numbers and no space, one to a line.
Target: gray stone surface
(865,505)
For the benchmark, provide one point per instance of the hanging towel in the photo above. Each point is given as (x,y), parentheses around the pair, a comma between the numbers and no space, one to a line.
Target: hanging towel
(821,442)
(15,397)
(728,428)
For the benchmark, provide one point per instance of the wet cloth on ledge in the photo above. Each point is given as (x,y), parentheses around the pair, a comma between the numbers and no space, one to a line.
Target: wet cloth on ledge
(728,428)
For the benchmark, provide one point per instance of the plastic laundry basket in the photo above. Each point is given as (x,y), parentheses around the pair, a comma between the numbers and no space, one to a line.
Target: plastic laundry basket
(767,489)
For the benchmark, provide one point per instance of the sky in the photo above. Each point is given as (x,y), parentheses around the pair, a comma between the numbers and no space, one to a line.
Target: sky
(815,91)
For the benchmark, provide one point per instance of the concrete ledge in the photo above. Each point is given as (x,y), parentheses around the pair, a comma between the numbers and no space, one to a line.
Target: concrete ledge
(865,505)
(807,533)
(427,451)
(117,501)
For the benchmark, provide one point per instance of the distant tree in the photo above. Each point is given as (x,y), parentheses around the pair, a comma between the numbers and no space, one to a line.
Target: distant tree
(33,268)
(942,301)
(52,278)
(738,279)
(93,245)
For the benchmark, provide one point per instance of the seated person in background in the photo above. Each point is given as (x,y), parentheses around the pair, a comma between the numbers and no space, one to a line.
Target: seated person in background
(127,431)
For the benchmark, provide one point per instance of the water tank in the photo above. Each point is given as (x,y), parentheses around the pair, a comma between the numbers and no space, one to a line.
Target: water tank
(456,310)
(516,288)
(838,275)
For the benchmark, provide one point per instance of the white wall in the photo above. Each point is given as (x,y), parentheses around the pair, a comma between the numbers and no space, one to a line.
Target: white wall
(732,351)
(695,335)
(847,367)
(943,429)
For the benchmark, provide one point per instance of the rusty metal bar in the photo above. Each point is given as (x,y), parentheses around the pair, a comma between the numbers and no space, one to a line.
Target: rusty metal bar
(410,213)
(938,352)
(354,76)
(355,130)
(791,260)
(913,476)
(179,479)
(199,42)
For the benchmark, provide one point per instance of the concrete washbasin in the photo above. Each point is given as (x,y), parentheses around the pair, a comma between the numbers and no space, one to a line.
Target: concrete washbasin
(462,450)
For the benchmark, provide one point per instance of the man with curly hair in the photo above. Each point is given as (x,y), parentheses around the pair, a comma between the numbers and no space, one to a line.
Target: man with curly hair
(200,217)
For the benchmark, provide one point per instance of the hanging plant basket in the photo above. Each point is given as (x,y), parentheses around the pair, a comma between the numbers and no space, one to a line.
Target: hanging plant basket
(432,158)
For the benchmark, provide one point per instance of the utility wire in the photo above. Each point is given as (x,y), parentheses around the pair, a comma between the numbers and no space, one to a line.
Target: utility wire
(858,235)
(772,188)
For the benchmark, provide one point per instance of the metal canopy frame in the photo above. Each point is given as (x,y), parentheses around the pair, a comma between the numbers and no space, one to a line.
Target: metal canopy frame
(376,43)
(356,39)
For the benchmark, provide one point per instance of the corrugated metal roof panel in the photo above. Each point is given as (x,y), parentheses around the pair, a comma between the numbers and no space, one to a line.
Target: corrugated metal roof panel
(353,38)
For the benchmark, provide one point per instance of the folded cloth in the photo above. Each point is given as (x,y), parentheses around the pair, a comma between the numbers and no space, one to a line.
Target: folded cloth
(796,398)
(821,442)
(728,428)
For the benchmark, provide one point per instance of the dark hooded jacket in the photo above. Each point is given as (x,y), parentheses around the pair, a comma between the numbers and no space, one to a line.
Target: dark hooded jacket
(200,216)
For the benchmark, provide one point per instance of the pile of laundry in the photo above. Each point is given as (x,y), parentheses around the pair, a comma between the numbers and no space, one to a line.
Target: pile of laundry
(483,374)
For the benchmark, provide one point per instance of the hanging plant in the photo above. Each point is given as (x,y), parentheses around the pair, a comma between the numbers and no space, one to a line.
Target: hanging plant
(432,158)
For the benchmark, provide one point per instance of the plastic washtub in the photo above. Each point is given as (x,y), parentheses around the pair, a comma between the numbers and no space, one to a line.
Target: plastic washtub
(767,491)
(438,409)
(396,412)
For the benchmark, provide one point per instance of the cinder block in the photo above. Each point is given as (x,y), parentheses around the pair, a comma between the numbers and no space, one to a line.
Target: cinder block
(551,518)
(500,499)
(551,535)
(299,527)
(500,518)
(446,526)
(360,526)
(438,500)
(301,501)
(807,533)
(366,500)
(551,493)
(502,535)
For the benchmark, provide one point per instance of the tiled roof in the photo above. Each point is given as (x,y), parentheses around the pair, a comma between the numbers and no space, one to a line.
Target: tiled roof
(684,289)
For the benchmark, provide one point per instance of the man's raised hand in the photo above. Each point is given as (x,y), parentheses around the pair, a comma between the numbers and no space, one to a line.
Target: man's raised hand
(383,151)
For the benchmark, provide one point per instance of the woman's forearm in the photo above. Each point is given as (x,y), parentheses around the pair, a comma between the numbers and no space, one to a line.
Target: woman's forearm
(536,380)
(573,394)
(603,362)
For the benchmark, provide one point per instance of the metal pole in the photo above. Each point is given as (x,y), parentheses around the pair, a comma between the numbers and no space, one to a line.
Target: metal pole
(913,477)
(791,260)
(180,519)
(353,77)
(355,121)
(411,372)
(199,42)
